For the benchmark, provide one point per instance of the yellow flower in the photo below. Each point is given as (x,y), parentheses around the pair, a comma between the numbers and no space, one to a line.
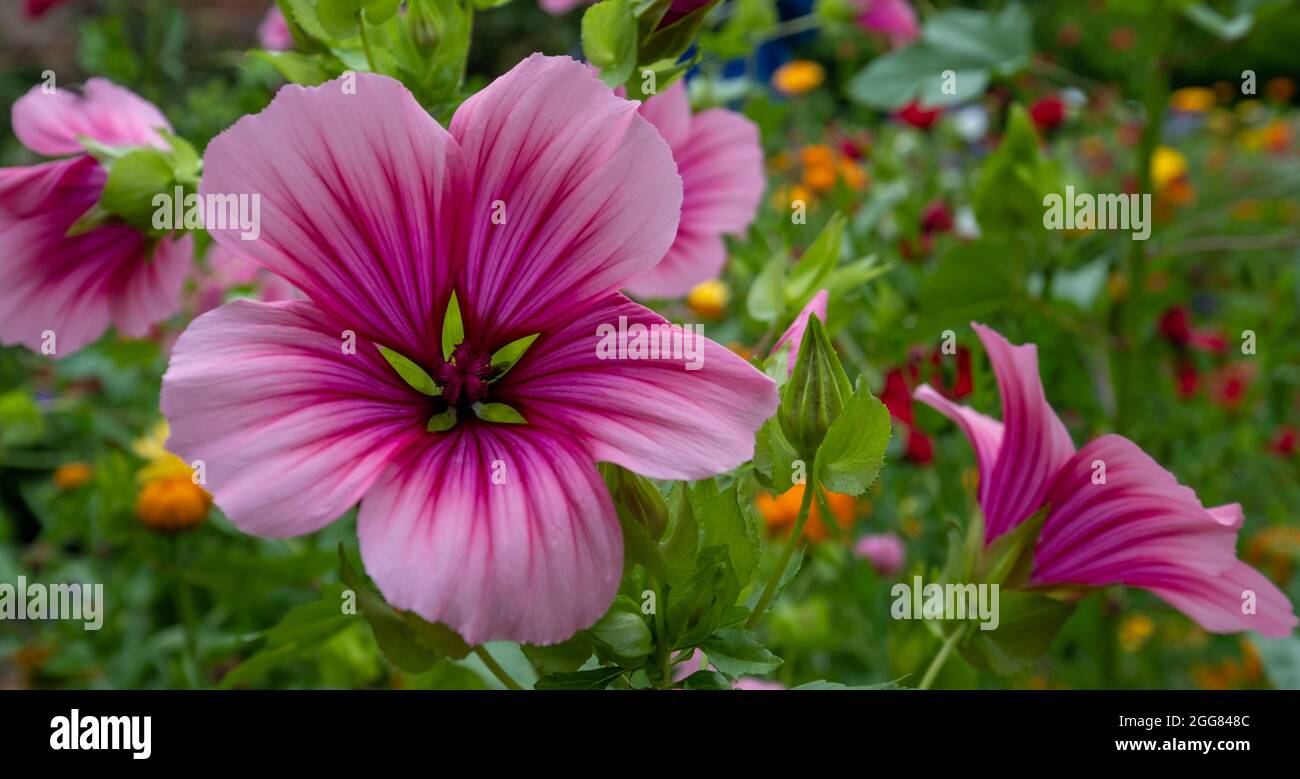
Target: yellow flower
(798,77)
(1135,631)
(1192,99)
(709,298)
(1167,166)
(70,476)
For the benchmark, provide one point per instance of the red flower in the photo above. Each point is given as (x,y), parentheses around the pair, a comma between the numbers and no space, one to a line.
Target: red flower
(918,117)
(35,8)
(936,218)
(1284,443)
(1189,379)
(1228,384)
(897,397)
(1047,112)
(962,383)
(1176,325)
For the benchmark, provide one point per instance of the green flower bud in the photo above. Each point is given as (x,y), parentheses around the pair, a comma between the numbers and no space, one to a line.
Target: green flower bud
(637,499)
(816,392)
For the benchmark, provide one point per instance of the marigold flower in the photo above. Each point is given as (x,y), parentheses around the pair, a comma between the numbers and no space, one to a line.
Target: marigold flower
(70,476)
(798,77)
(1193,99)
(781,512)
(172,503)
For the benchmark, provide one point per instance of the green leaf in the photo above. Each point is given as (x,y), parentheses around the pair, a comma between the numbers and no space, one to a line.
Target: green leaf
(302,14)
(972,282)
(502,413)
(408,641)
(697,607)
(736,652)
(1028,622)
(822,684)
(1281,659)
(1228,29)
(787,576)
(853,451)
(380,11)
(504,359)
(706,680)
(974,45)
(681,548)
(1007,561)
(1015,180)
(595,679)
(442,421)
(299,68)
(672,41)
(766,299)
(133,181)
(622,635)
(726,524)
(339,18)
(565,657)
(302,630)
(609,38)
(453,329)
(411,373)
(816,264)
(637,497)
(186,162)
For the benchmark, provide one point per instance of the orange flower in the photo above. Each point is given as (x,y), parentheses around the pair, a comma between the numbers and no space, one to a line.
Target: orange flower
(70,476)
(780,513)
(172,503)
(798,77)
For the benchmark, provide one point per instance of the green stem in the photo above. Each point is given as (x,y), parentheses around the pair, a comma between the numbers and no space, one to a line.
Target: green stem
(496,669)
(183,601)
(769,591)
(944,652)
(365,43)
(665,651)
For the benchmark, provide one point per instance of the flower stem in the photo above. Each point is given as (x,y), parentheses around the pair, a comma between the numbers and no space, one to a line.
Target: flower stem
(365,43)
(769,591)
(184,604)
(937,663)
(496,669)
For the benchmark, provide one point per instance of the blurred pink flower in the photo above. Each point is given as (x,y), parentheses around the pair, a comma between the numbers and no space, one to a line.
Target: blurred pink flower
(720,162)
(35,8)
(544,196)
(229,272)
(1134,525)
(559,7)
(794,334)
(894,19)
(77,287)
(884,551)
(273,33)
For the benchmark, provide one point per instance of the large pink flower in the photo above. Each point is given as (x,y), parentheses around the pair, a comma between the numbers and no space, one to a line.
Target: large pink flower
(543,197)
(76,287)
(1131,523)
(721,164)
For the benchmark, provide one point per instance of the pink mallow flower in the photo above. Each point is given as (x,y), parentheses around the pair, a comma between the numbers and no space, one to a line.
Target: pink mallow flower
(1114,515)
(273,33)
(232,273)
(794,333)
(560,7)
(720,160)
(74,288)
(884,552)
(541,199)
(894,19)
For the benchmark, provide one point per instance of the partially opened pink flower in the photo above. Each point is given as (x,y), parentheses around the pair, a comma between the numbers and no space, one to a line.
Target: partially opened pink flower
(894,19)
(543,197)
(1114,515)
(64,292)
(794,333)
(273,33)
(559,7)
(721,164)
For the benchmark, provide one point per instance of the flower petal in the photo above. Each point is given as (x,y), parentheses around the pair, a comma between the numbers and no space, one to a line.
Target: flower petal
(584,191)
(1140,527)
(722,172)
(501,532)
(77,287)
(50,123)
(984,433)
(653,416)
(1034,442)
(693,258)
(357,209)
(291,428)
(794,333)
